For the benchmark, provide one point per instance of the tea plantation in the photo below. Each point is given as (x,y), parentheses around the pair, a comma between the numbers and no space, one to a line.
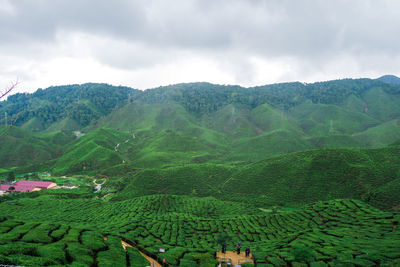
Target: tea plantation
(45,244)
(50,229)
(303,174)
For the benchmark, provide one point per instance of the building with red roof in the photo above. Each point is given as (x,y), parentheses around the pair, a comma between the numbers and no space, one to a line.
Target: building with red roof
(27,186)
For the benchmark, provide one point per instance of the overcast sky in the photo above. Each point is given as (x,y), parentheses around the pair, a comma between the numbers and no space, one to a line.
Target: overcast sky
(148,43)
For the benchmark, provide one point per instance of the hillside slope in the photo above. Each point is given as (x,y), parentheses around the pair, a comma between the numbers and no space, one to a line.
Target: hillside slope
(289,180)
(81,104)
(20,147)
(206,123)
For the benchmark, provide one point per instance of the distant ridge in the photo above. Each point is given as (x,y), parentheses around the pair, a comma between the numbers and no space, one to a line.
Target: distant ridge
(194,123)
(390,79)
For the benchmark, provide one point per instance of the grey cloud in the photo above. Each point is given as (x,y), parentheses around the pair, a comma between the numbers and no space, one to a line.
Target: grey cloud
(42,19)
(312,32)
(268,27)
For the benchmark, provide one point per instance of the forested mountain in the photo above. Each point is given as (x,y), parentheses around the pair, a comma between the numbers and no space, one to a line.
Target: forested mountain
(304,174)
(69,106)
(204,97)
(203,122)
(390,79)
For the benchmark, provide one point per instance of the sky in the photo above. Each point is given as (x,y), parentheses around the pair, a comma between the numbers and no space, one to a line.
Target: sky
(149,43)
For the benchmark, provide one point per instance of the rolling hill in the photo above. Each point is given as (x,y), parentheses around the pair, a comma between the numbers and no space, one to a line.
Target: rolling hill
(304,174)
(76,128)
(290,180)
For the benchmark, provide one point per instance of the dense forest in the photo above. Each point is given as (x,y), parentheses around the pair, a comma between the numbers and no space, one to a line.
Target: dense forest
(82,103)
(88,102)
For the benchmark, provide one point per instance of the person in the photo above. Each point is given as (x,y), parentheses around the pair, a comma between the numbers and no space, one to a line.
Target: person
(238,248)
(247,252)
(224,247)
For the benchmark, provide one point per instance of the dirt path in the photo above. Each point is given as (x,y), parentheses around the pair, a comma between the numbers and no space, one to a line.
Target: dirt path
(230,178)
(95,181)
(98,186)
(234,257)
(126,141)
(109,194)
(116,147)
(153,262)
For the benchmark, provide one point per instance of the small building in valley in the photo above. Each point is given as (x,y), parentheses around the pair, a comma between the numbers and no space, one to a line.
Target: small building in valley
(27,186)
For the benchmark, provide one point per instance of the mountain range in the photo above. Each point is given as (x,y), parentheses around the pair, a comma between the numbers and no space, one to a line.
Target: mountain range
(278,133)
(303,174)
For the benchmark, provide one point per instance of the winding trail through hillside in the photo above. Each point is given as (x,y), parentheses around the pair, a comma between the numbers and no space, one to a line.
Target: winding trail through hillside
(109,194)
(126,141)
(98,186)
(116,147)
(227,180)
(153,262)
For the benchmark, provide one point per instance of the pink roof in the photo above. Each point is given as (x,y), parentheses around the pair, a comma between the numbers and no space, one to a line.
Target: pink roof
(18,188)
(33,183)
(25,186)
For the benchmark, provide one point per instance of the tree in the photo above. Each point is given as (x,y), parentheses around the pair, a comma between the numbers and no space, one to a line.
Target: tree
(4,94)
(8,90)
(302,253)
(223,238)
(10,177)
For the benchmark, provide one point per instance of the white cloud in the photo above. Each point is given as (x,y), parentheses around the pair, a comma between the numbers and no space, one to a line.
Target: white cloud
(6,7)
(145,44)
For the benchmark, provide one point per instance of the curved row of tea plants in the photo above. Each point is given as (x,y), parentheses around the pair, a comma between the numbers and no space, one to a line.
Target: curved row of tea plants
(189,228)
(45,244)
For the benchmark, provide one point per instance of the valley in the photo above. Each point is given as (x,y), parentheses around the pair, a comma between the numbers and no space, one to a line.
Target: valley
(303,174)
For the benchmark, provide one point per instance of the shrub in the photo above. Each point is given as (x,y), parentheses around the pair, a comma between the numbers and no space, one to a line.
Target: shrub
(301,253)
(80,253)
(53,251)
(93,240)
(136,259)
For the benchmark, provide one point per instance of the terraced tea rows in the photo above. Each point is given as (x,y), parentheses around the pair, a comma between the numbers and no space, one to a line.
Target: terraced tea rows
(44,244)
(331,232)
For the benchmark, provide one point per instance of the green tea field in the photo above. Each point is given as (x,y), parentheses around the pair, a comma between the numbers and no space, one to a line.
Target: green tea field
(53,229)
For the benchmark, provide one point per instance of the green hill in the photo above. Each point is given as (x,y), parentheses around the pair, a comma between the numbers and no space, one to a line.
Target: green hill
(322,119)
(317,175)
(336,141)
(66,124)
(81,103)
(203,122)
(391,79)
(381,135)
(382,105)
(21,147)
(266,145)
(92,152)
(304,174)
(288,180)
(33,125)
